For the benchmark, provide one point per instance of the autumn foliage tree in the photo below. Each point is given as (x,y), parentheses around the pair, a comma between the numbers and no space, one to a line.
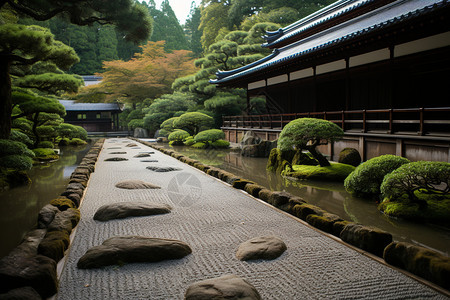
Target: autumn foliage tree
(148,75)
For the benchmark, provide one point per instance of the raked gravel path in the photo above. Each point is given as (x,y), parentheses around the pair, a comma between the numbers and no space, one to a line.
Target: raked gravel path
(214,219)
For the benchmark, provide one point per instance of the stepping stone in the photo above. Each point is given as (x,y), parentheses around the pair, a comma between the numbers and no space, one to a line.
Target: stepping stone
(262,247)
(116,159)
(148,152)
(118,152)
(136,184)
(142,155)
(131,145)
(162,169)
(122,210)
(113,148)
(222,288)
(149,160)
(132,249)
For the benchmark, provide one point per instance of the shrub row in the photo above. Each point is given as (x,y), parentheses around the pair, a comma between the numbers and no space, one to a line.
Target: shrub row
(420,261)
(29,270)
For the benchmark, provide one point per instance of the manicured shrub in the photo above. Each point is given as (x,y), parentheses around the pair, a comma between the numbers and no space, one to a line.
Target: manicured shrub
(210,135)
(18,162)
(77,142)
(333,172)
(45,144)
(307,134)
(45,154)
(220,144)
(199,145)
(8,147)
(429,177)
(178,135)
(193,121)
(19,136)
(366,179)
(349,156)
(189,141)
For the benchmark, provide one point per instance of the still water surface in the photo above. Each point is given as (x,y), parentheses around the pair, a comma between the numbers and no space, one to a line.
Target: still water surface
(20,206)
(330,196)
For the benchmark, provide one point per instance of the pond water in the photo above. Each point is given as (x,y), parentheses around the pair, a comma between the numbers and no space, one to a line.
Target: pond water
(20,206)
(332,197)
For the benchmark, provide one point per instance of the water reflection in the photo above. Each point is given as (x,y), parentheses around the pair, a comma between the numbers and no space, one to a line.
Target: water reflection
(330,196)
(21,205)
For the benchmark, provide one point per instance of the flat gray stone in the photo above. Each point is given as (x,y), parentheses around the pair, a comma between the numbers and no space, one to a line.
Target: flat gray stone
(123,210)
(116,159)
(163,169)
(132,249)
(118,152)
(142,155)
(149,160)
(262,247)
(131,145)
(46,215)
(222,288)
(136,184)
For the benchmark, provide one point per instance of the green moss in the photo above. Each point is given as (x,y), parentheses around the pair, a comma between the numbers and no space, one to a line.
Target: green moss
(334,172)
(350,156)
(437,210)
(220,144)
(301,158)
(279,160)
(63,203)
(45,144)
(253,189)
(45,154)
(241,183)
(77,142)
(199,145)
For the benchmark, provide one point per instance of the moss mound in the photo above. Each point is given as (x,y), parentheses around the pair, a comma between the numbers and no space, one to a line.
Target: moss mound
(45,154)
(350,156)
(437,210)
(334,172)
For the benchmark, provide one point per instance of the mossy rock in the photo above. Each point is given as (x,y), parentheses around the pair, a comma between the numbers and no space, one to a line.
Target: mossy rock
(370,239)
(264,194)
(304,210)
(213,172)
(334,172)
(241,183)
(436,211)
(253,189)
(420,261)
(116,159)
(63,203)
(324,222)
(279,160)
(45,154)
(54,244)
(278,199)
(349,156)
(339,226)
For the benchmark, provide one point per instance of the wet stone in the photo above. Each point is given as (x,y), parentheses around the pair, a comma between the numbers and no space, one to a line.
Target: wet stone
(262,247)
(122,210)
(163,169)
(136,184)
(133,249)
(222,288)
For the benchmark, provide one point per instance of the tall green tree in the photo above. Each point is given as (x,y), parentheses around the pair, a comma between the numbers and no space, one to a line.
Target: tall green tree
(26,45)
(192,31)
(167,27)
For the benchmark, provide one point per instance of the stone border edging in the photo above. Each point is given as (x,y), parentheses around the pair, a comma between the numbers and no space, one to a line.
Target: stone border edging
(45,246)
(428,265)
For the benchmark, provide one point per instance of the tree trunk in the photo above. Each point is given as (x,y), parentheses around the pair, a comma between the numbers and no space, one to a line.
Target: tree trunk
(5,99)
(323,162)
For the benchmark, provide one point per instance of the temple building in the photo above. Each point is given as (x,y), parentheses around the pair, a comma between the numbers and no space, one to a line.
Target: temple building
(94,117)
(380,69)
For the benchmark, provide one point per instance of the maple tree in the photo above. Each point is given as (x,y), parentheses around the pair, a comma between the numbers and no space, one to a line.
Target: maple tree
(147,75)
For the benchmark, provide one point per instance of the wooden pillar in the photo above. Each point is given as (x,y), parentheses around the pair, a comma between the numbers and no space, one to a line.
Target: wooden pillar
(399,147)
(362,148)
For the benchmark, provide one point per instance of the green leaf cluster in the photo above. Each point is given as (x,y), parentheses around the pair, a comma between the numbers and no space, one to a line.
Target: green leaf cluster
(209,136)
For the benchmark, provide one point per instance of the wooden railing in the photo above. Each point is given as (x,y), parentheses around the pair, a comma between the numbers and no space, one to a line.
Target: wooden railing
(405,121)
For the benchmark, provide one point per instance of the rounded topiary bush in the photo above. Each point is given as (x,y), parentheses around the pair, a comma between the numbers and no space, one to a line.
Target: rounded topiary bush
(199,145)
(220,144)
(350,156)
(45,154)
(18,162)
(366,179)
(189,141)
(178,136)
(19,136)
(77,142)
(210,135)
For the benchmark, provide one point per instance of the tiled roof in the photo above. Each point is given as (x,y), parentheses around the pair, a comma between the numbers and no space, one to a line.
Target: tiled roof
(382,17)
(71,105)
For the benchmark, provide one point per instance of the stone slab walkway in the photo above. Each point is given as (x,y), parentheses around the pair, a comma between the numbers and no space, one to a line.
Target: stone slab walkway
(214,219)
